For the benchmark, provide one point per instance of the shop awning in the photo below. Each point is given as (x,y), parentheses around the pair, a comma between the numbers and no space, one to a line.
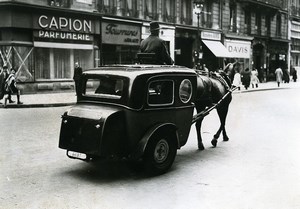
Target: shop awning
(217,48)
(63,45)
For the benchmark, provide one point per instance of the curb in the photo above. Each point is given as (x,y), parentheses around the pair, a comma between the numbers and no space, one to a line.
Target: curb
(37,105)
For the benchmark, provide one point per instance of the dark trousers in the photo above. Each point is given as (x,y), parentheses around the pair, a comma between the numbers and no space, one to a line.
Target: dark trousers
(77,87)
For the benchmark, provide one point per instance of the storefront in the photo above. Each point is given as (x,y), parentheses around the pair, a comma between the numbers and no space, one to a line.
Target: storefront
(185,44)
(46,45)
(278,57)
(213,50)
(240,51)
(121,41)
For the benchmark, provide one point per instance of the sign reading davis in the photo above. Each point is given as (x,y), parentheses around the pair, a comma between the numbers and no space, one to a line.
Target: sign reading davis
(238,49)
(121,34)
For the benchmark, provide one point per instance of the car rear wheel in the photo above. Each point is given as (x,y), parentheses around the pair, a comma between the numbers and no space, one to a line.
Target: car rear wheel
(160,154)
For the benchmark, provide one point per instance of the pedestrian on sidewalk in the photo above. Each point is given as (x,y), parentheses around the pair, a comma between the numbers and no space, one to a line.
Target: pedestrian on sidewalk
(76,78)
(11,88)
(3,77)
(237,80)
(294,73)
(246,78)
(279,74)
(254,78)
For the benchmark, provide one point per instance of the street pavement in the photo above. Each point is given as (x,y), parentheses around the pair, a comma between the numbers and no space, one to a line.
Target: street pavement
(69,98)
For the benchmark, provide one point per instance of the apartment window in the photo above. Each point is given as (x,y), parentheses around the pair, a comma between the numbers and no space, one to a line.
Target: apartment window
(206,15)
(258,23)
(186,12)
(130,8)
(278,25)
(248,22)
(268,25)
(151,9)
(107,6)
(233,17)
(169,10)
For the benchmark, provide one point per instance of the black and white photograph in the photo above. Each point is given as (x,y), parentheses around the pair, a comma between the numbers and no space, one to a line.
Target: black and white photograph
(149,104)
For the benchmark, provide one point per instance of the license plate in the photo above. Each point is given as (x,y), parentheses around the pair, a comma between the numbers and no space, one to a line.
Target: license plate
(76,155)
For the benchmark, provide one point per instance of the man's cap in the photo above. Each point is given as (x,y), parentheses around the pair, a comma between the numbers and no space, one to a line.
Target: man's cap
(154,26)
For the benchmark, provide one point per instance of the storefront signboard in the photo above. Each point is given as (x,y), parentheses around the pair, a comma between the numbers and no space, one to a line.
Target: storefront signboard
(63,28)
(238,49)
(120,34)
(208,35)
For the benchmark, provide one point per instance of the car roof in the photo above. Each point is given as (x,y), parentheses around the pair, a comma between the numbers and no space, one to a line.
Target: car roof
(137,70)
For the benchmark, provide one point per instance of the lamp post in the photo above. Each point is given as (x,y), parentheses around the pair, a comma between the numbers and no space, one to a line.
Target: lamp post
(198,6)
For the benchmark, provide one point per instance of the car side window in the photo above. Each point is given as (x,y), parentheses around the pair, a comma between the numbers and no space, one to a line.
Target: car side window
(161,93)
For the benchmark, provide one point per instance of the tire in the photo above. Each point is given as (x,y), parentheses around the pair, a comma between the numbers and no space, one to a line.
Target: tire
(159,154)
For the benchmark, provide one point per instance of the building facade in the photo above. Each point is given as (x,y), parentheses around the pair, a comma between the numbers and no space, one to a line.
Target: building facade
(42,40)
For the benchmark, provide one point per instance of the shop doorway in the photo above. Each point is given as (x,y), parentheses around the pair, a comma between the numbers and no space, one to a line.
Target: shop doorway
(184,52)
(258,58)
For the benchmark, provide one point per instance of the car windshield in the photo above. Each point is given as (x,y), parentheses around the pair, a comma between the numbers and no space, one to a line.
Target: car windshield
(104,87)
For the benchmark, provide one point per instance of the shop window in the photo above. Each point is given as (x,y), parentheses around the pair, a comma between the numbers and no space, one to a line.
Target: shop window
(20,59)
(161,93)
(59,63)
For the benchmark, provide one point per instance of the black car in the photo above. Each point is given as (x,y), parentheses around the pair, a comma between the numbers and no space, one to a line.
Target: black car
(139,112)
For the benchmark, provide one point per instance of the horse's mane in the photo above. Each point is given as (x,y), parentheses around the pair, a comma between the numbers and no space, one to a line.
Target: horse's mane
(223,78)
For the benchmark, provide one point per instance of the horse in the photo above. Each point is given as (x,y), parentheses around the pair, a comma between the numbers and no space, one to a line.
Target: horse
(213,92)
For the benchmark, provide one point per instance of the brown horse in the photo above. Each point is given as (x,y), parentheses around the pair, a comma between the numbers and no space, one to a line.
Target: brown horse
(213,92)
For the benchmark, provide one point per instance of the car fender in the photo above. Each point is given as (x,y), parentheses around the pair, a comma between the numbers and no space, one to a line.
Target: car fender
(140,149)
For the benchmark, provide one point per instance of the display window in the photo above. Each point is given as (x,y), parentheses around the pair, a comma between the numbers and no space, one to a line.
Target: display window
(57,64)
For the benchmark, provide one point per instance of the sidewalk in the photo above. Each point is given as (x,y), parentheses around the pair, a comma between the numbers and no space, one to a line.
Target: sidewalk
(69,98)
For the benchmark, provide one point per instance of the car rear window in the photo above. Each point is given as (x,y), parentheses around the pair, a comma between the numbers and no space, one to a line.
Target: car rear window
(104,87)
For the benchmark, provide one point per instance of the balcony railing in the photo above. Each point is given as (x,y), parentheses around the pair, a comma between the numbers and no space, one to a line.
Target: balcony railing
(59,3)
(295,11)
(272,3)
(107,9)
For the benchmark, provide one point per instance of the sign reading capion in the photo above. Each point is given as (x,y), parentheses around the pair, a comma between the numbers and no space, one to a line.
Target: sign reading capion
(63,28)
(63,23)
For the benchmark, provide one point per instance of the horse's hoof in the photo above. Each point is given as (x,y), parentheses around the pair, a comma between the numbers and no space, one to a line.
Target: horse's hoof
(214,142)
(201,147)
(225,139)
